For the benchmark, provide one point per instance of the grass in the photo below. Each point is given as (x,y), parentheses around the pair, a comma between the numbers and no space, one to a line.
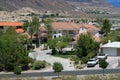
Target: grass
(63,56)
(88,77)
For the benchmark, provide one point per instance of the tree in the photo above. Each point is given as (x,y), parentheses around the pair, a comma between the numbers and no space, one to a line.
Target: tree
(57,67)
(22,38)
(59,43)
(106,26)
(106,38)
(12,52)
(47,22)
(32,28)
(103,64)
(86,45)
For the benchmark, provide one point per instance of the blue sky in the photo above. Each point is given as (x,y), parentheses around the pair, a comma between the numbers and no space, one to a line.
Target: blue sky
(115,2)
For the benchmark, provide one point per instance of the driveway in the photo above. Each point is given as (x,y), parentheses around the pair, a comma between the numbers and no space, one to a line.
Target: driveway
(113,62)
(42,55)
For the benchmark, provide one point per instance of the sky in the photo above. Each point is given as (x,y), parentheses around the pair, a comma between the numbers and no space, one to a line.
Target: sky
(115,2)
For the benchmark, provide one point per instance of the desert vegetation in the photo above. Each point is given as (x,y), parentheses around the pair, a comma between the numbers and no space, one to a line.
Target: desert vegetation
(91,77)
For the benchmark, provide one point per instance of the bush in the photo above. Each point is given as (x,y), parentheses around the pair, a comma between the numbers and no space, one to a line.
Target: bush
(17,70)
(74,58)
(92,78)
(39,64)
(54,51)
(69,53)
(85,59)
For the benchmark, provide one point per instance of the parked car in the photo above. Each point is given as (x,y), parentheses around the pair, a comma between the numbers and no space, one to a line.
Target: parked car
(102,56)
(92,62)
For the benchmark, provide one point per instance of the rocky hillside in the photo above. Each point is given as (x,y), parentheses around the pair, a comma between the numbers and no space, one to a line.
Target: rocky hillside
(49,4)
(90,3)
(36,4)
(84,8)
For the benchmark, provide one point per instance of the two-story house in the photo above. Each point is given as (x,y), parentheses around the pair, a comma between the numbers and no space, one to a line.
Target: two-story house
(73,29)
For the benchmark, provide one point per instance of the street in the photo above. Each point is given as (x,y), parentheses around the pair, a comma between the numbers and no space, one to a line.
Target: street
(51,73)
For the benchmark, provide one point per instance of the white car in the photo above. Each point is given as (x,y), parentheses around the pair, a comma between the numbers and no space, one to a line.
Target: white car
(102,56)
(92,62)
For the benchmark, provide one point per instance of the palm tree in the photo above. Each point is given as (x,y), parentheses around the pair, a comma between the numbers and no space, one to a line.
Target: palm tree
(32,28)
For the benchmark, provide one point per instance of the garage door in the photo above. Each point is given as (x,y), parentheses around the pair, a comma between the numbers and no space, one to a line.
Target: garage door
(110,51)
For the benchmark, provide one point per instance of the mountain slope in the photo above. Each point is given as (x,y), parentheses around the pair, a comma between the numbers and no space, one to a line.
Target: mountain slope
(37,4)
(91,3)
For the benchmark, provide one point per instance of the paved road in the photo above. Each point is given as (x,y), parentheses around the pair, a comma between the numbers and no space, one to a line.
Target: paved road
(48,74)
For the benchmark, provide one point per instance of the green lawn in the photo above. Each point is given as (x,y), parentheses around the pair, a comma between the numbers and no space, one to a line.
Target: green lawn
(63,56)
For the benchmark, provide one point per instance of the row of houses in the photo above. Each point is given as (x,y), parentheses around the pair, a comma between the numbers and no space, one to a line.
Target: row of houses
(58,29)
(74,30)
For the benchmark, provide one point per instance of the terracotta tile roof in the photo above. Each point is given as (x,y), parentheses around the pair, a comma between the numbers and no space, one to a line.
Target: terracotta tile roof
(28,35)
(90,28)
(14,24)
(64,26)
(20,30)
(72,26)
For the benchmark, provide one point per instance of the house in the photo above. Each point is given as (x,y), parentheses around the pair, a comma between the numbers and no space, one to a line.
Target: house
(17,25)
(73,29)
(111,48)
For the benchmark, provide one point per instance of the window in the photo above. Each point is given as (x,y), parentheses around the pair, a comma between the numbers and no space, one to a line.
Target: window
(54,32)
(54,36)
(71,32)
(1,27)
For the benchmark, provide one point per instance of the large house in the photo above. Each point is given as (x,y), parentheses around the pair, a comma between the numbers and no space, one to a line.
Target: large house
(74,30)
(17,25)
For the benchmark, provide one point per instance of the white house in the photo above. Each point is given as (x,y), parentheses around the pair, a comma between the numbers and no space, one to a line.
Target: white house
(111,48)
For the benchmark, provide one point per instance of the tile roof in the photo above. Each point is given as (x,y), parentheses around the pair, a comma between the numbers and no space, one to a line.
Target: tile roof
(64,26)
(89,27)
(20,30)
(72,26)
(13,24)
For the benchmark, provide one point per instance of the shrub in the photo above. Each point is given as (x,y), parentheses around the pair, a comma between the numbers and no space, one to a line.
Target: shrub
(54,51)
(74,58)
(84,60)
(69,53)
(92,78)
(69,78)
(17,70)
(39,64)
